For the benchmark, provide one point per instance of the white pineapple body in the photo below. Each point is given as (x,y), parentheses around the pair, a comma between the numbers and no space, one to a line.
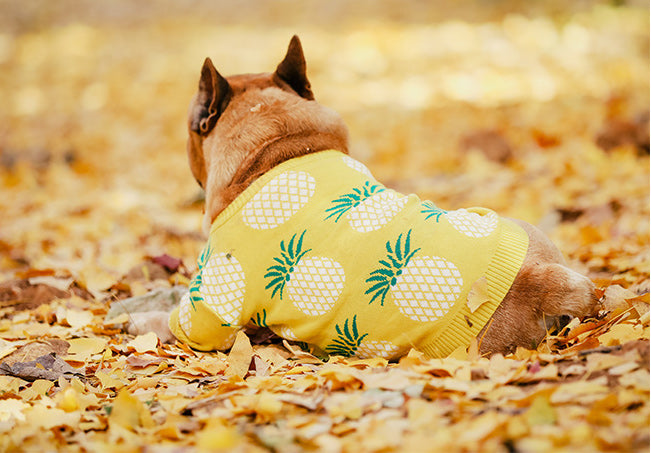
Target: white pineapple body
(358,166)
(376,211)
(472,224)
(278,200)
(222,287)
(185,315)
(315,284)
(427,288)
(378,348)
(285,332)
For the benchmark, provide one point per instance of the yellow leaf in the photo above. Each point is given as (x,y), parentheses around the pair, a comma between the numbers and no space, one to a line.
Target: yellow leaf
(78,319)
(478,294)
(41,417)
(38,388)
(108,381)
(12,409)
(598,362)
(541,412)
(240,356)
(501,370)
(216,436)
(129,412)
(616,298)
(268,405)
(620,334)
(10,384)
(69,400)
(85,347)
(638,380)
(144,343)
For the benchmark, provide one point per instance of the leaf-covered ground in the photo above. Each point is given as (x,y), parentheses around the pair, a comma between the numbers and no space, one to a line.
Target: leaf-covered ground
(538,110)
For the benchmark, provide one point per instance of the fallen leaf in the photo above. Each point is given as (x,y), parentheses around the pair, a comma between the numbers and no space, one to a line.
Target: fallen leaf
(129,412)
(49,367)
(239,359)
(478,294)
(85,347)
(78,319)
(144,343)
(540,412)
(12,409)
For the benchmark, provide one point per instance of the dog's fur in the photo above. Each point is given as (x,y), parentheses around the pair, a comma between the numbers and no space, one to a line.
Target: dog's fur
(242,126)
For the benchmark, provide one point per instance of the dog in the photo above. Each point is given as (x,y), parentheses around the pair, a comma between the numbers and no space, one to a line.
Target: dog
(265,152)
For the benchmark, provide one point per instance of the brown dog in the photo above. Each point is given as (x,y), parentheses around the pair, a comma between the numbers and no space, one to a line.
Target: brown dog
(243,126)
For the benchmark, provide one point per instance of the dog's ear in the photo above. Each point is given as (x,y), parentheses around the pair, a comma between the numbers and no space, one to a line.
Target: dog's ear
(292,70)
(212,99)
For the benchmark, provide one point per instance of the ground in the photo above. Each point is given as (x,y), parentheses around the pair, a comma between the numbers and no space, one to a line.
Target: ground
(539,111)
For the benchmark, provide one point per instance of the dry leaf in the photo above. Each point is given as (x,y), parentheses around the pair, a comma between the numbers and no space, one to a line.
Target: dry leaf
(129,412)
(239,359)
(478,294)
(144,343)
(85,347)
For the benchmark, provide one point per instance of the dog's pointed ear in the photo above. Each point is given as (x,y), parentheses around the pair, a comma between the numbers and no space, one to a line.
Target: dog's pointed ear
(212,99)
(292,70)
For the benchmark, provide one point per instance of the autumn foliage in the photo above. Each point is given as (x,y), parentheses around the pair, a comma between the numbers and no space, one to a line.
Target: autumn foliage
(540,114)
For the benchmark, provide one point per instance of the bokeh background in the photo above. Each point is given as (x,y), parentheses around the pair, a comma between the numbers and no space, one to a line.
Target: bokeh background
(536,109)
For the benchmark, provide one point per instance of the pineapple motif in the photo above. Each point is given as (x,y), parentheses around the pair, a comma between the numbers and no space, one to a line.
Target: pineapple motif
(351,200)
(312,284)
(368,207)
(358,166)
(472,224)
(431,210)
(185,318)
(286,333)
(385,277)
(195,284)
(260,320)
(347,341)
(423,288)
(378,348)
(222,287)
(279,200)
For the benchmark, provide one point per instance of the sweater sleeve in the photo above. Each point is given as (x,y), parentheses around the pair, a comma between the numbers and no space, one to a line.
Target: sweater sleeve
(194,323)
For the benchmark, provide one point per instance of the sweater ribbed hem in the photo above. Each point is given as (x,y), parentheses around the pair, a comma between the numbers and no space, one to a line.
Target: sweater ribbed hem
(500,274)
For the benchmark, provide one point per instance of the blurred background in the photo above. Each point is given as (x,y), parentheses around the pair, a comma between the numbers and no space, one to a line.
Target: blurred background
(539,110)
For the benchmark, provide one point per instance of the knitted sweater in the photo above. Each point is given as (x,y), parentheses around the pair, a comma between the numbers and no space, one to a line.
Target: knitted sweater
(320,252)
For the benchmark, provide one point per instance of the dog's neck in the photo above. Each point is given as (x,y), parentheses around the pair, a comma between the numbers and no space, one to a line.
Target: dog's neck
(259,136)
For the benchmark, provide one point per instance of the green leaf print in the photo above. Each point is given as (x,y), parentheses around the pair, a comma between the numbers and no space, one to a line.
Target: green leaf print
(195,285)
(382,279)
(347,341)
(348,201)
(430,210)
(260,321)
(279,274)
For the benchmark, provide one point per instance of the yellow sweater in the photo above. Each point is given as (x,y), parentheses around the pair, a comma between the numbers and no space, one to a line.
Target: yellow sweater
(320,252)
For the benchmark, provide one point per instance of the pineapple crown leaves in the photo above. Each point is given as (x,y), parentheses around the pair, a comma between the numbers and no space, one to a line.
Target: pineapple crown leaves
(279,272)
(347,341)
(383,278)
(431,210)
(350,200)
(260,321)
(195,284)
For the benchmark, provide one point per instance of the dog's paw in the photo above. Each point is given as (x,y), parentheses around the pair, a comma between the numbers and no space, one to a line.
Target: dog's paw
(151,321)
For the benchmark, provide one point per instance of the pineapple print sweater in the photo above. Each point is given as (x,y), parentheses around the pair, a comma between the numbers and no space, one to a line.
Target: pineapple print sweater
(320,252)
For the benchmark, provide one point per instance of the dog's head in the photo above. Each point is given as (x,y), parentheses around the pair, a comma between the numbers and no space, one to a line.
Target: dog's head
(241,126)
